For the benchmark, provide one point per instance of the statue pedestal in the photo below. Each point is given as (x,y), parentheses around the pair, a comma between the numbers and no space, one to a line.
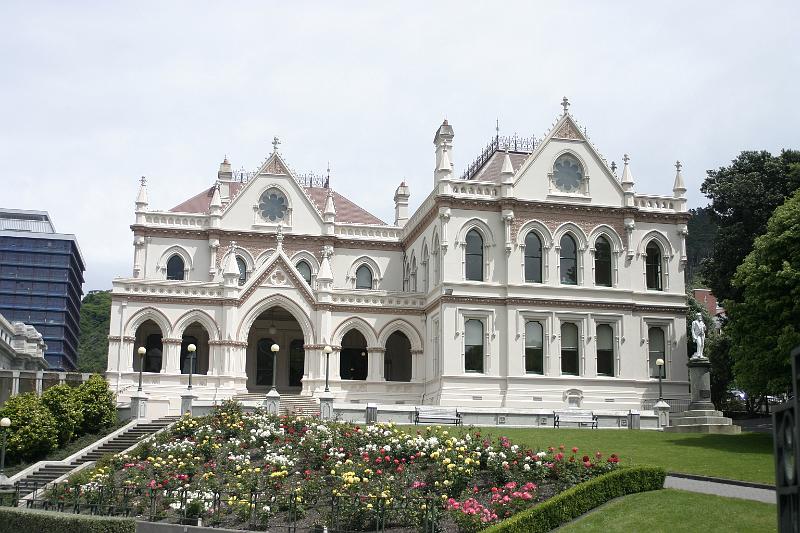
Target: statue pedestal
(700,383)
(187,403)
(272,402)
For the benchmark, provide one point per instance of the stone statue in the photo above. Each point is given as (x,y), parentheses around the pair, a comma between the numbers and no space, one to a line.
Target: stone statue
(699,336)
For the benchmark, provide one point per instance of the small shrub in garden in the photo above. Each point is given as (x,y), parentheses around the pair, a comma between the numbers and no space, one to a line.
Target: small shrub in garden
(33,432)
(96,403)
(61,402)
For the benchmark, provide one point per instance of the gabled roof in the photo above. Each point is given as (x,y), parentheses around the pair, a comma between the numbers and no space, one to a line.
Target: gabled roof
(346,211)
(490,170)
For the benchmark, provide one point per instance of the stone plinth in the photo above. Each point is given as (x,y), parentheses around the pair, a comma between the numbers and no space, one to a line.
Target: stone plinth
(326,406)
(272,402)
(187,403)
(701,417)
(138,406)
(700,383)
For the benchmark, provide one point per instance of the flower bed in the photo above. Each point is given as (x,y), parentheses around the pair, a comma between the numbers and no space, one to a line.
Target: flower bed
(237,469)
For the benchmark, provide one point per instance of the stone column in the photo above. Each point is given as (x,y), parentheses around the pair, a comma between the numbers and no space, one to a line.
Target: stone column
(417,365)
(700,383)
(171,358)
(375,365)
(138,406)
(127,353)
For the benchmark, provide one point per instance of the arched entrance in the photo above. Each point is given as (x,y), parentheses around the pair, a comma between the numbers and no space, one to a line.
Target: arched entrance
(148,335)
(195,334)
(275,326)
(397,360)
(354,363)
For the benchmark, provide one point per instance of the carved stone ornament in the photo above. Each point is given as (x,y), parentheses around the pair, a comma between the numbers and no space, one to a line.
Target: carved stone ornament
(568,131)
(278,278)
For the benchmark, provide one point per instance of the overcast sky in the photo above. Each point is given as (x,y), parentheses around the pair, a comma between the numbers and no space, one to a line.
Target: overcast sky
(95,94)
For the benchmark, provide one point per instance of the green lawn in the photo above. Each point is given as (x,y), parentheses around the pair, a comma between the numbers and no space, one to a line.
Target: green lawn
(746,457)
(673,511)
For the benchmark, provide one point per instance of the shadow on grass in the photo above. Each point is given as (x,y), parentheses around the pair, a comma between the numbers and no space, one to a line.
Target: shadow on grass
(760,443)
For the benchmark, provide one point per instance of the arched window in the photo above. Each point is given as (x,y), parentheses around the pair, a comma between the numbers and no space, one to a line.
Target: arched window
(653,266)
(473,256)
(569,261)
(397,361)
(533,258)
(175,268)
(569,349)
(435,256)
(534,348)
(305,271)
(413,278)
(354,360)
(602,262)
(242,270)
(363,277)
(473,346)
(605,350)
(655,340)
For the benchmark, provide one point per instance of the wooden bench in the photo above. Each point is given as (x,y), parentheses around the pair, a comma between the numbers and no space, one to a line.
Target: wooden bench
(438,415)
(582,418)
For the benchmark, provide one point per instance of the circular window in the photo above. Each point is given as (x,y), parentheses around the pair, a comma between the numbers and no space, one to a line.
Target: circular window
(567,173)
(273,205)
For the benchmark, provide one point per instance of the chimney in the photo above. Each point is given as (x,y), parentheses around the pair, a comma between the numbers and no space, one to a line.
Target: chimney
(225,172)
(401,196)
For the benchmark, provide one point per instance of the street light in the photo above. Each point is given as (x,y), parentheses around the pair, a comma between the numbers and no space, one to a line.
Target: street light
(191,349)
(275,348)
(660,365)
(327,349)
(5,423)
(141,351)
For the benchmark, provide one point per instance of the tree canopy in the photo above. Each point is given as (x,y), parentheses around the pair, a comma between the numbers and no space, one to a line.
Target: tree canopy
(699,242)
(95,320)
(765,325)
(743,197)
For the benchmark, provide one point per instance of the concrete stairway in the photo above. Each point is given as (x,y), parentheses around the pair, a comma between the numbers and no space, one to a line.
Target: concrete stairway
(52,471)
(702,421)
(291,404)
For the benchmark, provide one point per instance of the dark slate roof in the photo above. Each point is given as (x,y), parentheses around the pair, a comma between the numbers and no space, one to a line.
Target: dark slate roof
(490,170)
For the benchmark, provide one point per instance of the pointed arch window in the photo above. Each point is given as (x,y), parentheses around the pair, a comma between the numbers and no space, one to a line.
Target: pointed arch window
(242,270)
(653,266)
(363,277)
(533,258)
(602,262)
(569,261)
(175,268)
(570,364)
(305,270)
(534,348)
(473,256)
(425,264)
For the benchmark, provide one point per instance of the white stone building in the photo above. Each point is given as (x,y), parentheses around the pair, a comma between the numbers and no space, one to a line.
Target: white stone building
(21,347)
(537,279)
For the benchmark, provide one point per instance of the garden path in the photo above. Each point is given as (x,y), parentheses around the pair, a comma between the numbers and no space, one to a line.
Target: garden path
(731,490)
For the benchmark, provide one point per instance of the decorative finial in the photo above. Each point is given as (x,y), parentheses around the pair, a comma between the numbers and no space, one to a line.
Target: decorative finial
(279,235)
(232,247)
(565,104)
(678,166)
(275,143)
(497,128)
(143,181)
(625,158)
(614,167)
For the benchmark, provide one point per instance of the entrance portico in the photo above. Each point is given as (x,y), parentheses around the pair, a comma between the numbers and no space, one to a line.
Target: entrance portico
(275,326)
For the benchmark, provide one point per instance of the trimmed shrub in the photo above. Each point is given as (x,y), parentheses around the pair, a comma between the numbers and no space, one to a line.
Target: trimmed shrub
(61,402)
(96,403)
(31,521)
(582,498)
(33,432)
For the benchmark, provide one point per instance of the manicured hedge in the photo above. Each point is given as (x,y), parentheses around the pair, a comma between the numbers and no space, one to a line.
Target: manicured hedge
(18,520)
(582,498)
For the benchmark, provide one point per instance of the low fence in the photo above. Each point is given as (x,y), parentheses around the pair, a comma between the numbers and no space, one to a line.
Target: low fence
(675,405)
(20,381)
(284,510)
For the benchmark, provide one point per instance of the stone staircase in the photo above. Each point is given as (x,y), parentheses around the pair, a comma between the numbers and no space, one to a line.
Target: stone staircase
(702,421)
(291,404)
(52,471)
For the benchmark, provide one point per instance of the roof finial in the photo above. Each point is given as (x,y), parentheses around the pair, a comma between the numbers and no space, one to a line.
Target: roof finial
(565,104)
(678,166)
(614,167)
(279,235)
(625,158)
(497,129)
(275,143)
(143,181)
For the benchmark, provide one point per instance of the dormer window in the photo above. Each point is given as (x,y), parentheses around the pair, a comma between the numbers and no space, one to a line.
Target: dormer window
(567,174)
(273,205)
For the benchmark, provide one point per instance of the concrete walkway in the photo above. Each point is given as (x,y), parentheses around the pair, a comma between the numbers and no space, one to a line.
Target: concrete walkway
(744,491)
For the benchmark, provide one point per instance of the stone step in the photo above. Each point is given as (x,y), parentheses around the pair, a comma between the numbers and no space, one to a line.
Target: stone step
(699,420)
(706,428)
(701,412)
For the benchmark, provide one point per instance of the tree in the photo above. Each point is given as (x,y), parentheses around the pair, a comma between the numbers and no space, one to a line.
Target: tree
(765,325)
(699,242)
(97,404)
(743,197)
(95,320)
(33,432)
(61,402)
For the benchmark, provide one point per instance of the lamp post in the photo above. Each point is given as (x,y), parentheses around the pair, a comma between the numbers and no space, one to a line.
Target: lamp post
(327,349)
(660,365)
(141,351)
(5,423)
(274,348)
(191,349)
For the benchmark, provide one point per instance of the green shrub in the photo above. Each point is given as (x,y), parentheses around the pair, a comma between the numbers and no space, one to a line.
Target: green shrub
(30,521)
(97,404)
(61,402)
(582,498)
(33,432)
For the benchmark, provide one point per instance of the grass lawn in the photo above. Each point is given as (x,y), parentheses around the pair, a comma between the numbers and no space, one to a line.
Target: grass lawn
(672,511)
(747,457)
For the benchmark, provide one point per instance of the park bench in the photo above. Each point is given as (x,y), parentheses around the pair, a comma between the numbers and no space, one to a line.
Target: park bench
(582,418)
(438,415)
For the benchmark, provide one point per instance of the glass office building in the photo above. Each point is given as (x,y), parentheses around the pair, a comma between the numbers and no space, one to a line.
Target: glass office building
(41,282)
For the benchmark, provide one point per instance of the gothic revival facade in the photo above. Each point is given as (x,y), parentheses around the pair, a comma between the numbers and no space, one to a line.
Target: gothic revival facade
(538,278)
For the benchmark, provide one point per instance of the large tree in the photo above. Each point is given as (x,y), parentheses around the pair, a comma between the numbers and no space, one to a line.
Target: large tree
(743,197)
(95,319)
(765,325)
(699,243)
